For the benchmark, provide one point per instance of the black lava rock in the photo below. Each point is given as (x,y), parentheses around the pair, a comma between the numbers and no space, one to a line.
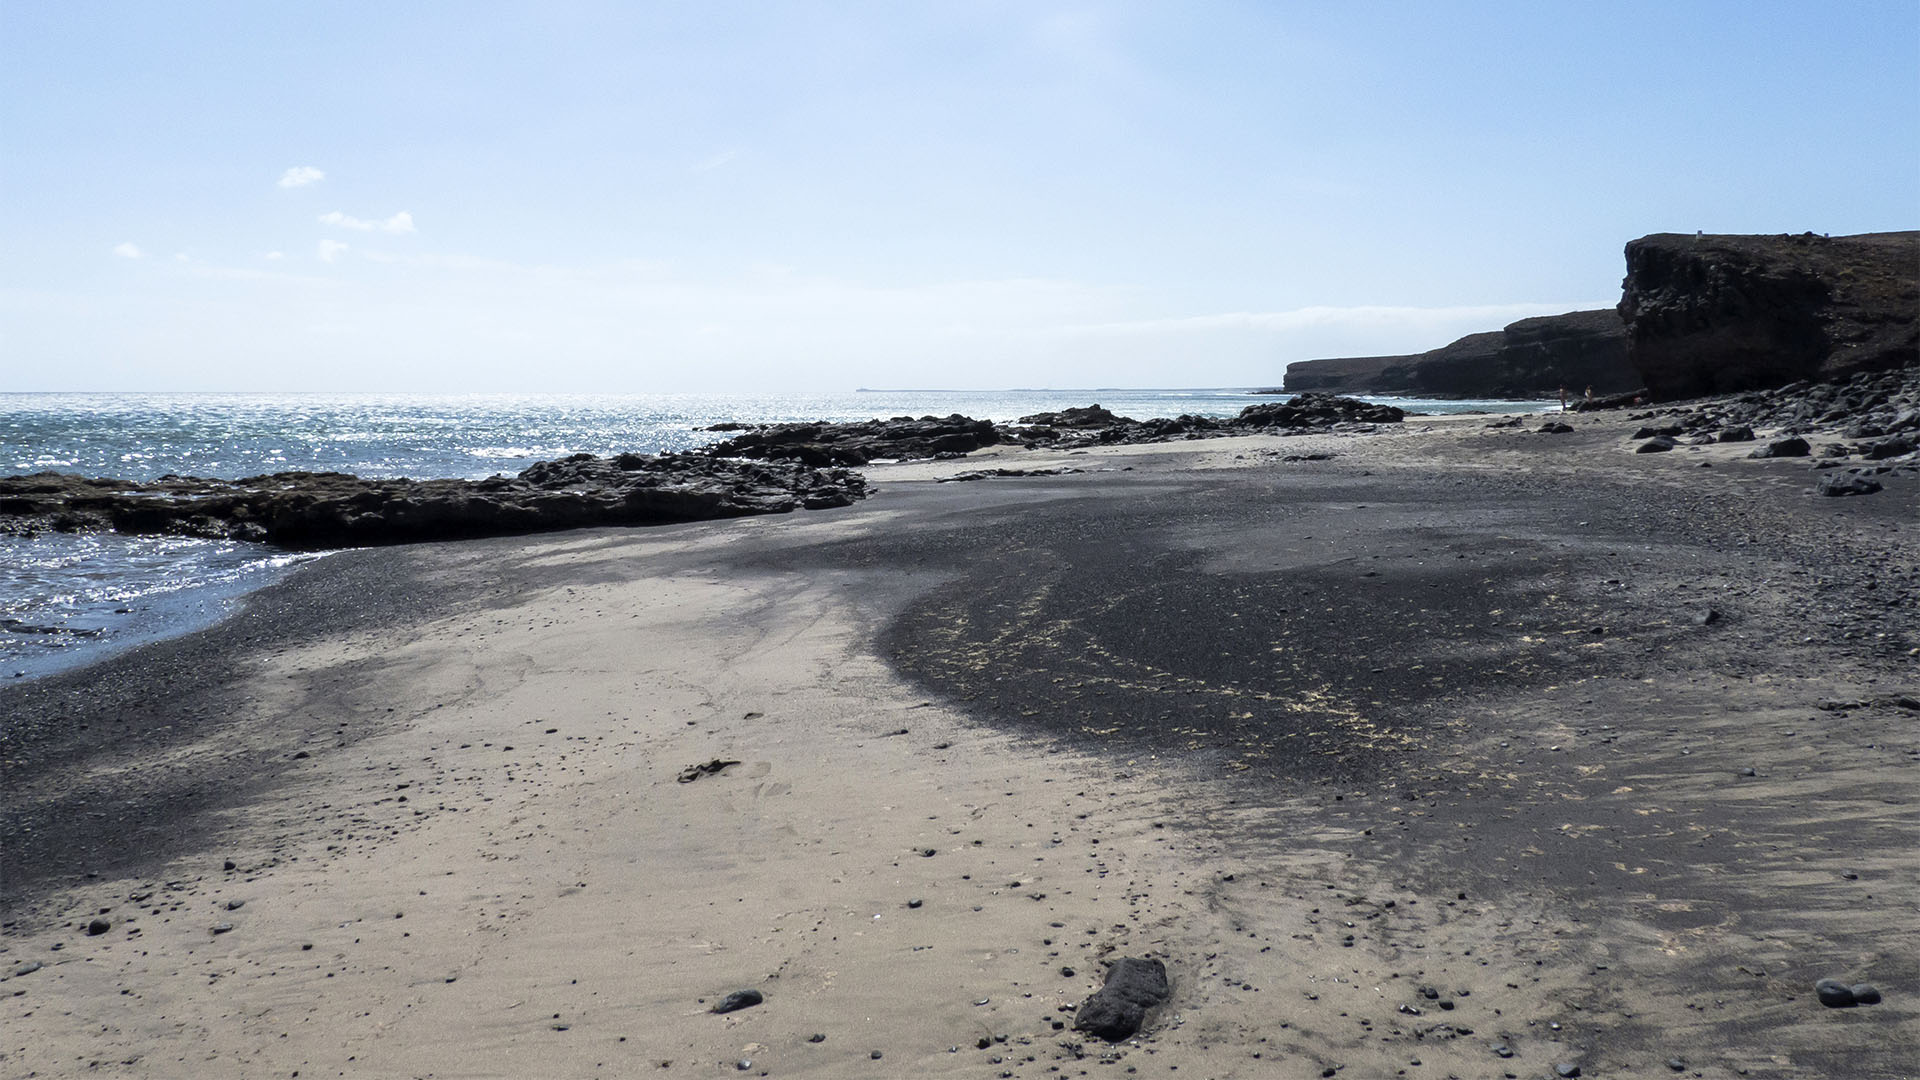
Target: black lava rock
(1134,988)
(739,999)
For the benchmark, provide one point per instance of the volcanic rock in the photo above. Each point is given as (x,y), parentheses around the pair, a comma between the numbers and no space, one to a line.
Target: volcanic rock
(1532,358)
(1719,314)
(1134,988)
(821,444)
(322,510)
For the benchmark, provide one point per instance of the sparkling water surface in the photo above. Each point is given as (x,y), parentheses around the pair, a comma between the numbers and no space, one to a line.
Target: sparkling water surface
(69,599)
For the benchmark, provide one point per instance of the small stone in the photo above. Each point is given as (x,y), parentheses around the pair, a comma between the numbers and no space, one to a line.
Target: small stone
(98,927)
(236,905)
(876,1055)
(739,999)
(229,865)
(816,1037)
(221,928)
(1865,994)
(1502,1050)
(1833,993)
(1677,1064)
(743,1064)
(27,968)
(915,903)
(1567,1071)
(1067,972)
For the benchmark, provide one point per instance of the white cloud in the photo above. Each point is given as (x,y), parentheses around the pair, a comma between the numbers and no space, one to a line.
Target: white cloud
(301,176)
(127,251)
(714,162)
(401,222)
(275,255)
(330,250)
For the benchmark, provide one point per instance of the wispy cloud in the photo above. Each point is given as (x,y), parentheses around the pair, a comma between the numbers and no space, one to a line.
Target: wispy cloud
(274,255)
(128,250)
(401,222)
(331,250)
(714,162)
(301,176)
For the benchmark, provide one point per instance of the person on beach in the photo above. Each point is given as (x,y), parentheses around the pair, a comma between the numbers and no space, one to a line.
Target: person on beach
(1563,399)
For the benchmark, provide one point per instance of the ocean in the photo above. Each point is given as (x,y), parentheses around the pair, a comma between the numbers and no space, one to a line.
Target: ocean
(70,599)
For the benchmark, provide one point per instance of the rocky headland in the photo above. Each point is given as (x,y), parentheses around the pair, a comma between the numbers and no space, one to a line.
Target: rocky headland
(1719,314)
(1532,358)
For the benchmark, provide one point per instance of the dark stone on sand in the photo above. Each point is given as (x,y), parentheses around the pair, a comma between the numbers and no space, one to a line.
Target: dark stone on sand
(1658,445)
(1707,617)
(27,968)
(706,768)
(1555,428)
(1652,431)
(1501,1050)
(228,865)
(1792,446)
(222,928)
(1846,483)
(1134,988)
(98,927)
(816,1037)
(1736,433)
(1721,314)
(1887,448)
(1834,994)
(739,999)
(1567,1070)
(1865,994)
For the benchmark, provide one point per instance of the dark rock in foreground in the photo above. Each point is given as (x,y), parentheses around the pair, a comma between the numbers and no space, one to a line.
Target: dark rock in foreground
(322,510)
(1530,358)
(1134,988)
(739,999)
(1721,314)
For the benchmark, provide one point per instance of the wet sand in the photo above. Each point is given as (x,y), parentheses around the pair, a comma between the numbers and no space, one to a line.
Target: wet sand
(1429,758)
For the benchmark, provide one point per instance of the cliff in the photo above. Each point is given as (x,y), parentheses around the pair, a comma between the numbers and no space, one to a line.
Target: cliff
(1718,314)
(1530,358)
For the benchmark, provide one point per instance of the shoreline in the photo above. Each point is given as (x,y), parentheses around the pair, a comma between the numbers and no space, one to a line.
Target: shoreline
(1584,791)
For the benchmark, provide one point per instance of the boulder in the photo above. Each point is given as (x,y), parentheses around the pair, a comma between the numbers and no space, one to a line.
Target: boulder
(1793,446)
(1116,1012)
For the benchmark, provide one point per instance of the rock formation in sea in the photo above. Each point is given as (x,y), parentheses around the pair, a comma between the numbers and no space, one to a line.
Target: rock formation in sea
(1721,314)
(1532,358)
(323,510)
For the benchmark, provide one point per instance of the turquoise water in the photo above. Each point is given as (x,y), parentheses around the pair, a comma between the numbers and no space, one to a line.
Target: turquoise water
(66,599)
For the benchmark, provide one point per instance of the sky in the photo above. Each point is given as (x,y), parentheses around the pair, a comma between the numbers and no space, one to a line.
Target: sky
(718,196)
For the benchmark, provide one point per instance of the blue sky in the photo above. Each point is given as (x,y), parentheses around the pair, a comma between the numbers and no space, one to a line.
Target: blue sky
(587,196)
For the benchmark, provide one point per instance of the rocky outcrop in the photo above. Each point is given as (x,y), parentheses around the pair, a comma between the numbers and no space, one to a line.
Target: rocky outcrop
(1532,358)
(1721,314)
(1300,414)
(899,439)
(324,510)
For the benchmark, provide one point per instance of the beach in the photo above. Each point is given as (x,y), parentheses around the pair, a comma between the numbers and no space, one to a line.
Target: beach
(1448,751)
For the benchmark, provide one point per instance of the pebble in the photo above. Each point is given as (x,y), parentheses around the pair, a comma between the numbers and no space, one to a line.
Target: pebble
(816,1037)
(221,928)
(1833,993)
(1677,1064)
(98,927)
(739,999)
(1567,1071)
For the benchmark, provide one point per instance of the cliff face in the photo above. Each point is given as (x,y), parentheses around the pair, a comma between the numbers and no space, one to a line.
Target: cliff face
(1530,358)
(1717,314)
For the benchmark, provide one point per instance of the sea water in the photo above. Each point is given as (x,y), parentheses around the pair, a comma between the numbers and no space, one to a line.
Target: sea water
(68,599)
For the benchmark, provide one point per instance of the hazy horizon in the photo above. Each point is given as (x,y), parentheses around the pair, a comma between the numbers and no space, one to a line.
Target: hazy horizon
(734,198)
